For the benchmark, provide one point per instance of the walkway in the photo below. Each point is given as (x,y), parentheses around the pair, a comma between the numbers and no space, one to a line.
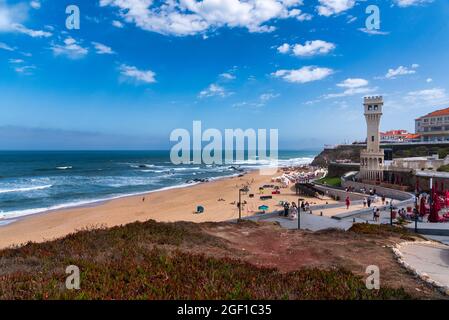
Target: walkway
(431,259)
(308,221)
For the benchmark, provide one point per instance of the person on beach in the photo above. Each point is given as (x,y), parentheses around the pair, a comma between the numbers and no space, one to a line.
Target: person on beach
(348,203)
(286,208)
(143,199)
(293,211)
(377,215)
(374,213)
(383,200)
(303,206)
(369,202)
(364,202)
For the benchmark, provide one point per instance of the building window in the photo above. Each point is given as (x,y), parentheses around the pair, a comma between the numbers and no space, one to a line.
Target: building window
(372,138)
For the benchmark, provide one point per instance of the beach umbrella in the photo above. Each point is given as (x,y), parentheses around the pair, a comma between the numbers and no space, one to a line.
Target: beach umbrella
(263,208)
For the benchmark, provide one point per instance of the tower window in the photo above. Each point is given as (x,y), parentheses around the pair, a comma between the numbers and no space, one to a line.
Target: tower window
(372,138)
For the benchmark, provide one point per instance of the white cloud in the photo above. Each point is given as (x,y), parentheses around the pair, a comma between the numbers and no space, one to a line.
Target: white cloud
(102,49)
(429,80)
(227,76)
(408,3)
(189,17)
(434,97)
(351,92)
(352,87)
(213,90)
(353,83)
(30,32)
(428,95)
(284,48)
(35,4)
(265,97)
(25,70)
(400,71)
(260,102)
(117,24)
(310,48)
(16,61)
(6,47)
(304,17)
(331,7)
(12,17)
(70,48)
(351,19)
(303,75)
(131,72)
(374,32)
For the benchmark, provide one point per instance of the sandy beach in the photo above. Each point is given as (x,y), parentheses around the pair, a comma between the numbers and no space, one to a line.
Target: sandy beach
(167,206)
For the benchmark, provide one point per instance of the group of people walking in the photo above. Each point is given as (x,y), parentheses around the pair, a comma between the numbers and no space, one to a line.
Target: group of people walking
(293,210)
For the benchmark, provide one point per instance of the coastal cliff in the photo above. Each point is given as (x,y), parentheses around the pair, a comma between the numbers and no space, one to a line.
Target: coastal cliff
(352,152)
(346,152)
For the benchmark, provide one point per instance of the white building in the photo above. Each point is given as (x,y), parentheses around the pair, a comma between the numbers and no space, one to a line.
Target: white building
(434,126)
(372,158)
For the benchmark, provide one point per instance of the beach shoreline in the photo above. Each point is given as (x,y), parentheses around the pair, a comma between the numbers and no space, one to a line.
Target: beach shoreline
(174,204)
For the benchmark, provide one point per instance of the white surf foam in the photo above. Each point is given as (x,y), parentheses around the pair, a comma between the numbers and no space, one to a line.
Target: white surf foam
(24,189)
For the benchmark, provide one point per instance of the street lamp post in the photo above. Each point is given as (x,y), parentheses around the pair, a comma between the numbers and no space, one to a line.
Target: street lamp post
(299,216)
(391,212)
(416,211)
(240,204)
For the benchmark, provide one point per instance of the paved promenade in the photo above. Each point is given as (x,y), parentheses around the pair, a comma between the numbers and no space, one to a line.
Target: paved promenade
(431,259)
(308,221)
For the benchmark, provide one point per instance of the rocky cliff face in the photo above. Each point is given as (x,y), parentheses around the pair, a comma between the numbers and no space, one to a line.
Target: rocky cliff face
(352,152)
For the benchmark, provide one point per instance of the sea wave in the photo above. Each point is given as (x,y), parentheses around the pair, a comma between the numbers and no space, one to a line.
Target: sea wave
(64,168)
(8,215)
(24,189)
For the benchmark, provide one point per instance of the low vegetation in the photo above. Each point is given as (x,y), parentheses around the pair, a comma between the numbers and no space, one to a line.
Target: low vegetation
(180,260)
(330,181)
(384,230)
(444,168)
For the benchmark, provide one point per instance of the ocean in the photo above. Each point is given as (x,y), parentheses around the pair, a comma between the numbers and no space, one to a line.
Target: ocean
(32,182)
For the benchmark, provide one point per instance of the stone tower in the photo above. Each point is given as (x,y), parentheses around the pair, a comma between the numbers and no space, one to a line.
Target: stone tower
(372,158)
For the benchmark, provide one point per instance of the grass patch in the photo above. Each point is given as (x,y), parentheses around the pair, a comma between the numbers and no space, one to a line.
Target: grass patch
(384,230)
(444,168)
(153,260)
(330,181)
(156,274)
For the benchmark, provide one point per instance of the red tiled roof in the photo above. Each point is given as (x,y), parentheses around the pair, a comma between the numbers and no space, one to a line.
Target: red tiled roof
(442,112)
(394,133)
(412,136)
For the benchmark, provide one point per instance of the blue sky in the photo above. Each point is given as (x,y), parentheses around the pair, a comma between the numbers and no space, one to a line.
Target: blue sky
(137,69)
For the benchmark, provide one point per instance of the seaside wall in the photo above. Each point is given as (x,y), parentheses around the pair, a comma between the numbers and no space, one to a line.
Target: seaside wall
(389,193)
(341,193)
